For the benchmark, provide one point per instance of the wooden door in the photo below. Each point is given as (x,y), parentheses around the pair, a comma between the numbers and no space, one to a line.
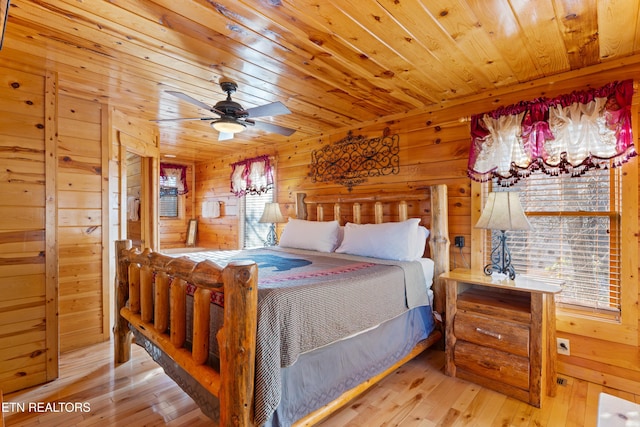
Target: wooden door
(28,298)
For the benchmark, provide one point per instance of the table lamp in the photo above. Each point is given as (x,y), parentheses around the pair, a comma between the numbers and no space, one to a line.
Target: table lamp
(503,212)
(273,215)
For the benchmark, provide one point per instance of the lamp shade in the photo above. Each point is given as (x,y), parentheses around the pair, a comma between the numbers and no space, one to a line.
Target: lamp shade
(503,211)
(271,213)
(227,125)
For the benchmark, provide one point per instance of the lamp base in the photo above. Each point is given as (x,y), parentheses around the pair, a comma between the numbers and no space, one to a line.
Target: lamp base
(501,258)
(272,237)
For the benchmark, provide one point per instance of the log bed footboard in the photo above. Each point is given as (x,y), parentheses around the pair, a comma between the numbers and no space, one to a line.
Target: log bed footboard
(233,385)
(150,310)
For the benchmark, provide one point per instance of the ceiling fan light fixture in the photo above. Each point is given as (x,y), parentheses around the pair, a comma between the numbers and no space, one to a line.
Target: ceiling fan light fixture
(227,125)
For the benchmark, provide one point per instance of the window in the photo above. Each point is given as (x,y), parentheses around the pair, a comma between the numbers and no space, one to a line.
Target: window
(252,180)
(255,233)
(169,200)
(575,236)
(173,184)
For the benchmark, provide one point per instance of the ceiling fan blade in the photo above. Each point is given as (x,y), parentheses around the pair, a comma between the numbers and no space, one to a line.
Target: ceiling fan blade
(270,127)
(183,119)
(194,101)
(274,109)
(225,136)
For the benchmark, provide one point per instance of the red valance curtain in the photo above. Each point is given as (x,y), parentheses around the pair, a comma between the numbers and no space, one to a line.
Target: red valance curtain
(567,134)
(251,176)
(179,172)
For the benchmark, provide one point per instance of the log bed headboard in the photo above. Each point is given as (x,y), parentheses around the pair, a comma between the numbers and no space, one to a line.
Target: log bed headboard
(158,311)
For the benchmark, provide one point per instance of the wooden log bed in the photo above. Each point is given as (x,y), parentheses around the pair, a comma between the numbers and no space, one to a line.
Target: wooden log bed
(150,297)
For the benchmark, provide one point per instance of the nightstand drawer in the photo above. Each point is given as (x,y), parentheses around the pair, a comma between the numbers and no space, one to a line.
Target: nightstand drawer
(495,333)
(493,364)
(503,304)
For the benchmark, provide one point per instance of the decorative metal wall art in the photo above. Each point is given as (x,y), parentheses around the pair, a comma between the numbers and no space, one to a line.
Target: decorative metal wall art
(355,158)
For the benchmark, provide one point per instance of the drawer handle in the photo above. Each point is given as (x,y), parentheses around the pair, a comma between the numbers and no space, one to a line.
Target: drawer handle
(490,333)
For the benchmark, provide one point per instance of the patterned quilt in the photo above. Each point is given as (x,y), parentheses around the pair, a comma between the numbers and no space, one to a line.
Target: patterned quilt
(307,300)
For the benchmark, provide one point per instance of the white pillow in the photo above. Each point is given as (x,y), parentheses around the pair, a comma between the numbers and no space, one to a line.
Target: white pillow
(312,235)
(390,240)
(421,241)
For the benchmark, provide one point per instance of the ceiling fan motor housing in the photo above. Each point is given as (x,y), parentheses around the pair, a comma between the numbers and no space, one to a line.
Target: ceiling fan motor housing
(229,108)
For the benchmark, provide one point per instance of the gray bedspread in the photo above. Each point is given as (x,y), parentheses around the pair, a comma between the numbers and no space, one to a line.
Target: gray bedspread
(307,301)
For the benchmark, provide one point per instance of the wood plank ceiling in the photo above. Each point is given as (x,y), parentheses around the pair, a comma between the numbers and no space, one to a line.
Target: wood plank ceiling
(334,64)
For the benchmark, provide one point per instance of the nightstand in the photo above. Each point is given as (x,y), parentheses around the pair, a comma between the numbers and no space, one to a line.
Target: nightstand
(501,333)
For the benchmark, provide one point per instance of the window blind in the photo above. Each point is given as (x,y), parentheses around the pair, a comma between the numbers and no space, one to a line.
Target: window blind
(168,205)
(255,233)
(575,236)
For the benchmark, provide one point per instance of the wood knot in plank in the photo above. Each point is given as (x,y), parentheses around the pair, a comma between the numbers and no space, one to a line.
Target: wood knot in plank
(416,383)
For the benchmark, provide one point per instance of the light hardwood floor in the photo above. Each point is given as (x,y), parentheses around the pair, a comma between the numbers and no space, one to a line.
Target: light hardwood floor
(138,393)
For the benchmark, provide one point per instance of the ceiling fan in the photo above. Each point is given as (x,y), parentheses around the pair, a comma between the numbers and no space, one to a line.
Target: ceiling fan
(232,117)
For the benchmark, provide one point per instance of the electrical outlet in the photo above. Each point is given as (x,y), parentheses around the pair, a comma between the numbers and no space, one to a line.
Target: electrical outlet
(563,346)
(459,241)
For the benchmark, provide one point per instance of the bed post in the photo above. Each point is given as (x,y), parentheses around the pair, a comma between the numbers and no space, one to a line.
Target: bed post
(237,343)
(121,333)
(439,242)
(301,206)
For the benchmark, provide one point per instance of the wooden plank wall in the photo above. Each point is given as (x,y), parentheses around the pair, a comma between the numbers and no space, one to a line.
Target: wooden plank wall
(80,223)
(212,182)
(434,148)
(23,347)
(422,149)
